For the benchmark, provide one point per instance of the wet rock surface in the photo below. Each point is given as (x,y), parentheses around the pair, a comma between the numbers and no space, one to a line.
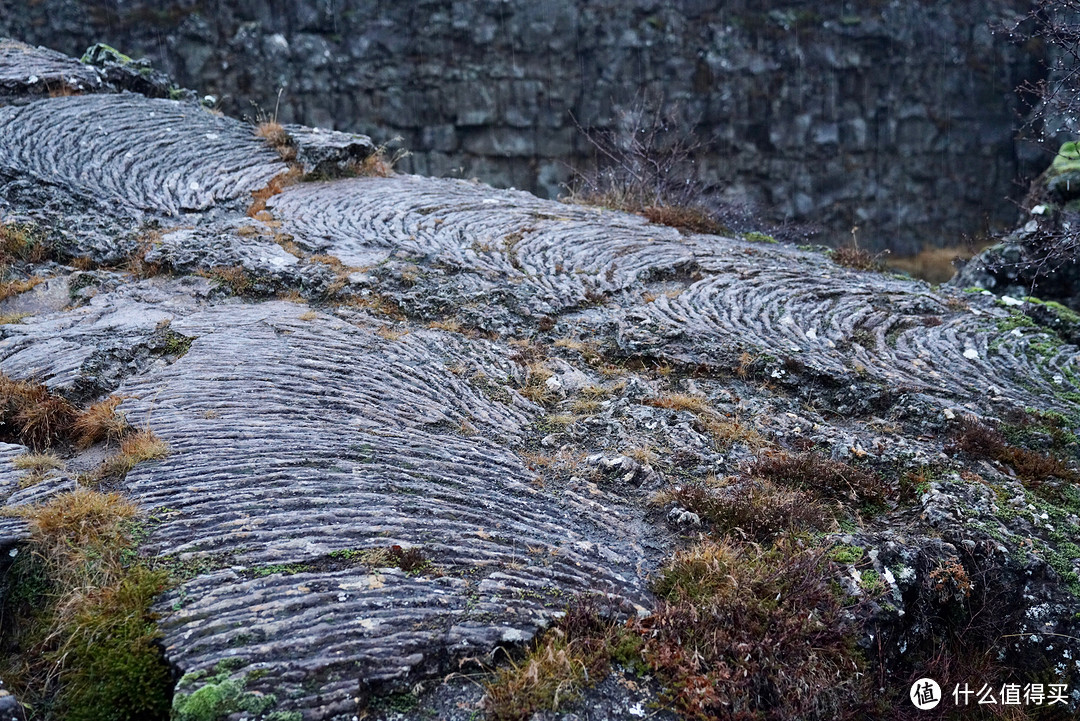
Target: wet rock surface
(410,417)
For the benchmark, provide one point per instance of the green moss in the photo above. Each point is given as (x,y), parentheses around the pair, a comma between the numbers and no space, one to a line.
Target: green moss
(177,344)
(397,702)
(1015,320)
(846,554)
(871,582)
(285,569)
(755,237)
(103,51)
(215,700)
(118,670)
(1063,313)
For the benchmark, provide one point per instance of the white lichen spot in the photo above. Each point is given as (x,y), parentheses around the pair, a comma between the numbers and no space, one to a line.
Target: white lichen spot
(971,354)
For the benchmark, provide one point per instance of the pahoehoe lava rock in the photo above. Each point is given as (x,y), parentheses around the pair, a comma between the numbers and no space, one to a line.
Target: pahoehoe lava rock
(317,442)
(137,153)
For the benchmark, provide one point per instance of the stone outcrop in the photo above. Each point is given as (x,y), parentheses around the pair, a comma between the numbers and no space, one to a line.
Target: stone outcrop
(895,117)
(385,365)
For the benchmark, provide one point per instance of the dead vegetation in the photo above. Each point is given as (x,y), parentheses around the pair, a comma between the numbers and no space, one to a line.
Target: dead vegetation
(825,478)
(100,422)
(1035,470)
(739,632)
(750,508)
(725,431)
(276,186)
(235,278)
(277,138)
(574,654)
(136,448)
(646,165)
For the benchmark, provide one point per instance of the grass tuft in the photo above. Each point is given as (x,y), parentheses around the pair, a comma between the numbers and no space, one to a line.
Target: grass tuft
(277,138)
(79,641)
(574,654)
(100,422)
(32,415)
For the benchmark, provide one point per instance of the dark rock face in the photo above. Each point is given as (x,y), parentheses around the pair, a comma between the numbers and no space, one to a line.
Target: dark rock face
(370,387)
(895,117)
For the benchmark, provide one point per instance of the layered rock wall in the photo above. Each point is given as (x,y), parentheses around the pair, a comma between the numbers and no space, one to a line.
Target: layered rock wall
(894,117)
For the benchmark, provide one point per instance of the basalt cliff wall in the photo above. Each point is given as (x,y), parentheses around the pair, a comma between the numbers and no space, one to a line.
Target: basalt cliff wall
(897,117)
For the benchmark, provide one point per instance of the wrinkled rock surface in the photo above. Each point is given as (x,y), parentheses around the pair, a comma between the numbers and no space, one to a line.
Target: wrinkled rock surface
(369,388)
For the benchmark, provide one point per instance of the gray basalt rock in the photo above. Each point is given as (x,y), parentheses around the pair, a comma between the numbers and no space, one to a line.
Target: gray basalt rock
(379,366)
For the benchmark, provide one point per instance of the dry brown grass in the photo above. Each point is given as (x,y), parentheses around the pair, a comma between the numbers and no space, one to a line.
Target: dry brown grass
(754,509)
(32,415)
(235,277)
(9,288)
(277,138)
(73,526)
(688,218)
(137,264)
(12,318)
(78,638)
(851,256)
(449,325)
(22,242)
(577,652)
(100,422)
(380,164)
(725,431)
(377,303)
(276,186)
(136,448)
(535,387)
(387,333)
(681,402)
(37,462)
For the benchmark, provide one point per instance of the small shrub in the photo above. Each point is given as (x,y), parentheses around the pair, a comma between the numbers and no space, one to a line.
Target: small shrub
(823,477)
(746,633)
(646,165)
(754,509)
(983,441)
(857,258)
